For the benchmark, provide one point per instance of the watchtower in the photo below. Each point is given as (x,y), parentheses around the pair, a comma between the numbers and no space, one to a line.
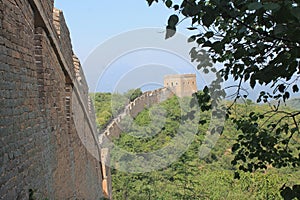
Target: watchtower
(181,84)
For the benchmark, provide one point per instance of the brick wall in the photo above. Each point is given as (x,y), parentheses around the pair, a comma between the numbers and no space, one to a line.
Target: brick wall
(46,118)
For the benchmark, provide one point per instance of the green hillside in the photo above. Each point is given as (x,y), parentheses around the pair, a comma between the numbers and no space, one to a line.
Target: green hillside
(294,103)
(191,177)
(108,105)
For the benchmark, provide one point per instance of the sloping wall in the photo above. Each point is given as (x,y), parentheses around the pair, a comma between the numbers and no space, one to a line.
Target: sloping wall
(146,100)
(48,132)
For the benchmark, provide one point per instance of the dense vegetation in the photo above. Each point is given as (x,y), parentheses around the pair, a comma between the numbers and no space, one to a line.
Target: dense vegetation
(257,43)
(108,105)
(213,177)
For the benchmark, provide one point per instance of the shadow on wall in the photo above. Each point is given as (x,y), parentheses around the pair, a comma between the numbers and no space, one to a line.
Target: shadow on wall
(46,115)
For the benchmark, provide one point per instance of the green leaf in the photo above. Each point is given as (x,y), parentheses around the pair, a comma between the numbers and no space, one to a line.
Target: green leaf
(170,32)
(252,82)
(279,29)
(286,96)
(271,6)
(255,6)
(235,147)
(209,34)
(176,7)
(192,38)
(190,9)
(206,90)
(296,12)
(239,53)
(169,3)
(151,1)
(295,88)
(200,41)
(171,28)
(206,71)
(192,28)
(208,19)
(218,46)
(194,20)
(173,20)
(281,88)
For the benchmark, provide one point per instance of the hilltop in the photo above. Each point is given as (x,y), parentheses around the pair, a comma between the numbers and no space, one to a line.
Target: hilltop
(293,103)
(191,177)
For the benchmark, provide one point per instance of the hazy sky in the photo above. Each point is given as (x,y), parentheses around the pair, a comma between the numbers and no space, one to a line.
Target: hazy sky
(91,22)
(94,24)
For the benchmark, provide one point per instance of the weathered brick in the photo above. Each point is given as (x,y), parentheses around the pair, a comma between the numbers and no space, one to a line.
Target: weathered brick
(38,135)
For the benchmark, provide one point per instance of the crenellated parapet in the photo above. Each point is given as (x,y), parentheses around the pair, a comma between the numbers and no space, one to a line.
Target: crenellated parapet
(64,40)
(146,100)
(82,83)
(114,129)
(49,140)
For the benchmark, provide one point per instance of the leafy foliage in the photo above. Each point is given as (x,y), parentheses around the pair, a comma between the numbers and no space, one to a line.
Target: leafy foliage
(133,94)
(212,177)
(257,42)
(251,38)
(191,177)
(290,193)
(109,105)
(151,1)
(261,142)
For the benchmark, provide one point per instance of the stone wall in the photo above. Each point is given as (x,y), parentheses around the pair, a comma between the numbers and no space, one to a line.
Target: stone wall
(114,129)
(47,123)
(147,99)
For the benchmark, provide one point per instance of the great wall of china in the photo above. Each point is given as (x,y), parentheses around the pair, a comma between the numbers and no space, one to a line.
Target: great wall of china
(146,100)
(49,143)
(181,85)
(47,119)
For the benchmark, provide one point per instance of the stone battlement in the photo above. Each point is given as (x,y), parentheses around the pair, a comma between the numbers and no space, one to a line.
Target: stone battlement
(180,85)
(147,99)
(49,141)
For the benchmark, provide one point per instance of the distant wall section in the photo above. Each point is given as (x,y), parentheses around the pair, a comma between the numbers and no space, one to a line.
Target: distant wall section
(146,100)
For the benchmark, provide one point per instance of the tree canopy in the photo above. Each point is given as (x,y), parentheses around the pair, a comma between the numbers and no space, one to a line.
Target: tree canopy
(190,177)
(258,43)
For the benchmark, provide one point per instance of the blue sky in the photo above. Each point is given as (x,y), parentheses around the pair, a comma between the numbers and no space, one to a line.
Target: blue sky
(91,22)
(95,23)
